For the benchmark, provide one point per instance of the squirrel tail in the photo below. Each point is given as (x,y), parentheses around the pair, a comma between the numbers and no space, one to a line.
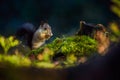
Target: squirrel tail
(26,32)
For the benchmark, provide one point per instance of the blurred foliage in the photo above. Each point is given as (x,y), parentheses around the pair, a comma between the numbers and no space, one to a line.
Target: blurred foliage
(14,60)
(22,61)
(44,65)
(116,7)
(7,43)
(115,31)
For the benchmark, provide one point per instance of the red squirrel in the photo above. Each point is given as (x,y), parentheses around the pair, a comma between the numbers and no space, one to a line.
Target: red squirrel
(97,32)
(35,38)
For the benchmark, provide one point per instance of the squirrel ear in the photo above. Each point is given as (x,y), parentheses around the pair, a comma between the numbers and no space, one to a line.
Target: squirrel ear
(41,23)
(101,27)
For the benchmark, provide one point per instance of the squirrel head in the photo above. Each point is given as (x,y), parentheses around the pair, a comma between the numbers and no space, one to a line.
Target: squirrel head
(42,34)
(46,30)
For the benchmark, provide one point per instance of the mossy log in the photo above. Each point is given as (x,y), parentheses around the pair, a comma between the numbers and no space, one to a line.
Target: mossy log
(102,68)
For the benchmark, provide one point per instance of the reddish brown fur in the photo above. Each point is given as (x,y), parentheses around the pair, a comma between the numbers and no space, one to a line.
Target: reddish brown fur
(102,38)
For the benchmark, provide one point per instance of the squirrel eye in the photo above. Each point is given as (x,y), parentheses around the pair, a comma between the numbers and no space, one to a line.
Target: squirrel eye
(45,28)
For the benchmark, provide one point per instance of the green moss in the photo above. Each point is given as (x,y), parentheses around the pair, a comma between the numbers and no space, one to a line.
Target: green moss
(76,45)
(73,47)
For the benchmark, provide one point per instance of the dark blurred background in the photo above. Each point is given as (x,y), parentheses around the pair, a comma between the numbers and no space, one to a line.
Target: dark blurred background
(62,15)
